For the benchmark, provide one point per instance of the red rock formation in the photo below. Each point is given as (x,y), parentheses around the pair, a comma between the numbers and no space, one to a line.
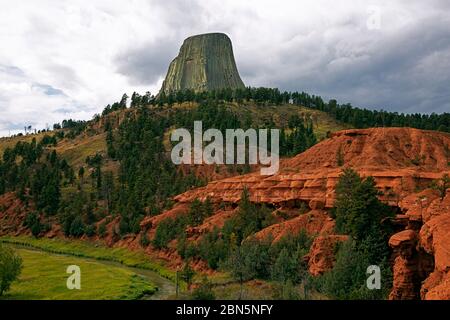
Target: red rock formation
(422,263)
(12,214)
(216,221)
(434,239)
(405,265)
(314,223)
(321,255)
(400,159)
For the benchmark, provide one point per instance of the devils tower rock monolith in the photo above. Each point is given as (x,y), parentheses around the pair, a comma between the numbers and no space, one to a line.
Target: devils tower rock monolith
(205,62)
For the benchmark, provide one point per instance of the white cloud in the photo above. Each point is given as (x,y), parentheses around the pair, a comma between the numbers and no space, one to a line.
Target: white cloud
(93,51)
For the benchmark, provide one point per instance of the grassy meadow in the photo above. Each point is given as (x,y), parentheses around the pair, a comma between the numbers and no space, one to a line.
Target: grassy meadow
(44,278)
(84,249)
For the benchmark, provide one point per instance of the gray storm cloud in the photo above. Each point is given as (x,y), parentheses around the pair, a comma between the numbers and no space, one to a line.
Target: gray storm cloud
(86,55)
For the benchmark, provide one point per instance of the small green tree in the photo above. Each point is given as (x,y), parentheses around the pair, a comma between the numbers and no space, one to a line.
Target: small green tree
(196,213)
(360,214)
(199,211)
(102,229)
(442,185)
(10,268)
(187,274)
(145,241)
(357,207)
(241,268)
(285,267)
(77,227)
(204,291)
(33,222)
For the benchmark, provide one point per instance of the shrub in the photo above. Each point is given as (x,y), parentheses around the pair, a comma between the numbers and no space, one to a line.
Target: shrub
(441,185)
(168,230)
(213,249)
(204,291)
(77,227)
(359,214)
(90,230)
(33,222)
(187,274)
(102,229)
(10,268)
(347,279)
(144,240)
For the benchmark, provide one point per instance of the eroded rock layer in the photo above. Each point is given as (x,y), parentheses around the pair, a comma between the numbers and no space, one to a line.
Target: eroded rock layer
(403,162)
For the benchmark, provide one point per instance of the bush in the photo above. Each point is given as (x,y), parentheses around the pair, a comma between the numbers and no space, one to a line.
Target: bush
(185,249)
(33,222)
(144,240)
(10,268)
(213,249)
(359,214)
(102,229)
(90,230)
(199,211)
(441,185)
(348,278)
(168,230)
(286,291)
(77,227)
(204,291)
(357,207)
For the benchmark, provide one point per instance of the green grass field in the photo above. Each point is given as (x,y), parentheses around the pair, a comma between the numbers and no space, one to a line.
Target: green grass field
(44,278)
(85,249)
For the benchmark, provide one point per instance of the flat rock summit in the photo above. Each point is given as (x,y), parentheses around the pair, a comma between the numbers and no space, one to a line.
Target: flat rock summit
(205,62)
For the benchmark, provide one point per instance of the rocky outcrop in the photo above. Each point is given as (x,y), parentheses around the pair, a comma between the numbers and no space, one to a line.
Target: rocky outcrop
(422,252)
(321,256)
(314,223)
(401,160)
(12,214)
(205,62)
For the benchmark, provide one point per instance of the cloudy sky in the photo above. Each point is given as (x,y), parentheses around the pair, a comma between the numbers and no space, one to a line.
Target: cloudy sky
(68,59)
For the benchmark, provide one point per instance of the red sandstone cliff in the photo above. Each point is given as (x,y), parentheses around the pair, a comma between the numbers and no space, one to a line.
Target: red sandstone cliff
(403,162)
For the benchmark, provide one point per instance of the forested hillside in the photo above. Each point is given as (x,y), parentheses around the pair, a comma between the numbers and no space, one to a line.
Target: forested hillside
(112,179)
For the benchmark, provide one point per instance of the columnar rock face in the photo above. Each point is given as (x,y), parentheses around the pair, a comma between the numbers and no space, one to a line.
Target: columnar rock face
(205,62)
